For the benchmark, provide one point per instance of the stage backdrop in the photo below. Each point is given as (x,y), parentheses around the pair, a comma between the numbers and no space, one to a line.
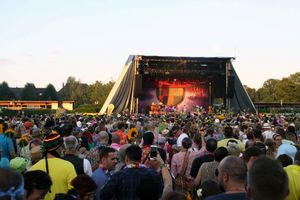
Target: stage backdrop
(175,92)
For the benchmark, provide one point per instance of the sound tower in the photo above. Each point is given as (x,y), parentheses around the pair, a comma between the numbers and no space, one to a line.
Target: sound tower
(138,85)
(231,87)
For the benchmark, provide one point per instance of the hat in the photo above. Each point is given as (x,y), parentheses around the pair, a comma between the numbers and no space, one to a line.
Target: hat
(165,132)
(287,149)
(266,125)
(28,124)
(52,142)
(19,164)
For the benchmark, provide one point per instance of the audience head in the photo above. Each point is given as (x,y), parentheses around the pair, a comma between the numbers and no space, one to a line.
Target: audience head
(228,132)
(36,184)
(70,143)
(211,145)
(251,154)
(108,157)
(13,186)
(148,138)
(133,154)
(267,180)
(115,138)
(186,143)
(232,172)
(84,186)
(285,160)
(220,153)
(103,137)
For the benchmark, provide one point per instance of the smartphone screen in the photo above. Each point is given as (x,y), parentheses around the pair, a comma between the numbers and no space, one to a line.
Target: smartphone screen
(153,152)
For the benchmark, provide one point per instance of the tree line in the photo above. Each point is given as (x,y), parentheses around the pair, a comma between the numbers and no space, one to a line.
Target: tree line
(73,90)
(276,90)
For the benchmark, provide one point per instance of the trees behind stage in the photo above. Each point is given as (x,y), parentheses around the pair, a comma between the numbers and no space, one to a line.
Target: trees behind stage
(73,90)
(275,90)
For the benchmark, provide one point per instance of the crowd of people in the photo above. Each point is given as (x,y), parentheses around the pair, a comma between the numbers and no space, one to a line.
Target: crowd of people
(150,157)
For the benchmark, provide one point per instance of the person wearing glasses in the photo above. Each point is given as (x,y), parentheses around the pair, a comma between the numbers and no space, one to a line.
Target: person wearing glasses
(231,175)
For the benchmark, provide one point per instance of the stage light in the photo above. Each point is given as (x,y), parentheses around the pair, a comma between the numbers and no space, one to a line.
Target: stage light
(167,73)
(203,65)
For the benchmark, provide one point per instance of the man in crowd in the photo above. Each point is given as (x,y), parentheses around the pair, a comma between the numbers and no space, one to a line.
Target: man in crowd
(148,139)
(123,184)
(108,160)
(115,141)
(82,166)
(62,172)
(267,180)
(250,155)
(179,134)
(93,155)
(211,146)
(232,174)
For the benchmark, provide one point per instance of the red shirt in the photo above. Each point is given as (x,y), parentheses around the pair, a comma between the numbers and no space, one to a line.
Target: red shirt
(123,137)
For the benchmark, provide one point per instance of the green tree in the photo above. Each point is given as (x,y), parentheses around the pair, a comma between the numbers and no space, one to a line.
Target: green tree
(74,91)
(286,90)
(50,93)
(267,92)
(251,92)
(98,92)
(5,92)
(29,93)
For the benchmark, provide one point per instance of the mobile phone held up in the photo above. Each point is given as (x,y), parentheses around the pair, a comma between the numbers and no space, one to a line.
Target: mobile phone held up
(153,151)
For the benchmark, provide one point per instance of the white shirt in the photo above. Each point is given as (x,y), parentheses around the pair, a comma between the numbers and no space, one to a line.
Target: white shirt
(87,168)
(268,134)
(180,138)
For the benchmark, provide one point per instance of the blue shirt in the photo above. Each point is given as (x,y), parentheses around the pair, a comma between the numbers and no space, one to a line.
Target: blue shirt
(7,146)
(100,178)
(4,162)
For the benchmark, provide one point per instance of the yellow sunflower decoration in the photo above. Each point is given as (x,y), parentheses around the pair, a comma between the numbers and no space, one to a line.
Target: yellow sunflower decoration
(132,134)
(10,132)
(23,141)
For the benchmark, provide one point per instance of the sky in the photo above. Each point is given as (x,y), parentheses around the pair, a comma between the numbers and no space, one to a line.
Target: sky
(44,42)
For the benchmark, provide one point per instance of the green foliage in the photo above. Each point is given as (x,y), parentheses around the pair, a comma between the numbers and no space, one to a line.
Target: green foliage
(74,91)
(29,93)
(88,108)
(274,90)
(98,92)
(251,92)
(50,93)
(5,92)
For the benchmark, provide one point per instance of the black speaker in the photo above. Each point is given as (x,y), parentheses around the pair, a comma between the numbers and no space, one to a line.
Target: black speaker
(218,87)
(138,87)
(231,87)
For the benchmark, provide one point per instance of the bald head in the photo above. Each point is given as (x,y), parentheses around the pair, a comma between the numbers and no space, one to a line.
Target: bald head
(234,167)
